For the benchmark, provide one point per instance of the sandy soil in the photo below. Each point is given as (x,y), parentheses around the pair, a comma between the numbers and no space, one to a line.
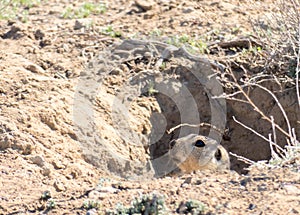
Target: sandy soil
(44,161)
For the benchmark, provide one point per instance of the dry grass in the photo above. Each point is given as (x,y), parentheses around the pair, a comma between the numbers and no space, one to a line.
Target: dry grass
(279,32)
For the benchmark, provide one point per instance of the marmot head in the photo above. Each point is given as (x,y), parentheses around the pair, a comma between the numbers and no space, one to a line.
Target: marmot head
(196,152)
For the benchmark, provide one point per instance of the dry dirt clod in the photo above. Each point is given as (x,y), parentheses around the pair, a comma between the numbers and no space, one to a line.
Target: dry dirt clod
(97,195)
(58,164)
(13,33)
(59,186)
(145,5)
(39,34)
(107,189)
(78,25)
(35,69)
(38,160)
(188,180)
(49,120)
(188,10)
(291,189)
(46,171)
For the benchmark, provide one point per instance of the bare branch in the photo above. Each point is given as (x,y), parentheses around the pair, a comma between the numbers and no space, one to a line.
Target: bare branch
(194,126)
(241,158)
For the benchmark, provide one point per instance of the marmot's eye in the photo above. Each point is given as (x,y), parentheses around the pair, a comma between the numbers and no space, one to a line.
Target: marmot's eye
(199,143)
(218,155)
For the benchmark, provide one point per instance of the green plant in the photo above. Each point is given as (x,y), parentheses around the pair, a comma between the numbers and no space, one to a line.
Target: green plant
(9,9)
(51,204)
(146,204)
(108,30)
(84,11)
(193,44)
(156,32)
(195,207)
(90,204)
(46,195)
(151,90)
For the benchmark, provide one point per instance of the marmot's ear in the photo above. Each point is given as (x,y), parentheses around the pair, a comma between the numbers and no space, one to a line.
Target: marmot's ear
(172,143)
(199,143)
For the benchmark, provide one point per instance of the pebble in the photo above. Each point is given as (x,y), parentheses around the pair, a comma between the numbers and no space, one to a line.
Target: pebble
(35,69)
(78,25)
(59,186)
(107,190)
(291,189)
(58,165)
(145,5)
(38,160)
(97,195)
(46,171)
(92,212)
(187,10)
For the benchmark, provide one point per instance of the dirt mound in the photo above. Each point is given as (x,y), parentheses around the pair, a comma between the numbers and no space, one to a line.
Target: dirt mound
(165,84)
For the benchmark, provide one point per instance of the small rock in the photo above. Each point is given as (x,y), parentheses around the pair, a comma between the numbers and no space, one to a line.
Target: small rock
(182,208)
(116,71)
(38,34)
(13,33)
(49,120)
(46,171)
(92,212)
(35,69)
(188,180)
(74,171)
(45,42)
(58,165)
(291,189)
(78,25)
(245,181)
(5,141)
(262,187)
(184,185)
(38,160)
(173,192)
(26,148)
(97,195)
(187,10)
(59,186)
(145,5)
(251,206)
(107,189)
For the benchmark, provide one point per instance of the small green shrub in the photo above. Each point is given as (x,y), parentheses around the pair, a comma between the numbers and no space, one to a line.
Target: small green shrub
(193,44)
(13,9)
(146,204)
(84,11)
(90,204)
(193,207)
(108,30)
(46,195)
(51,204)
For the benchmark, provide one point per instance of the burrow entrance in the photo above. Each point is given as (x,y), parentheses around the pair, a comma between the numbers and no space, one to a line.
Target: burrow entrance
(144,89)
